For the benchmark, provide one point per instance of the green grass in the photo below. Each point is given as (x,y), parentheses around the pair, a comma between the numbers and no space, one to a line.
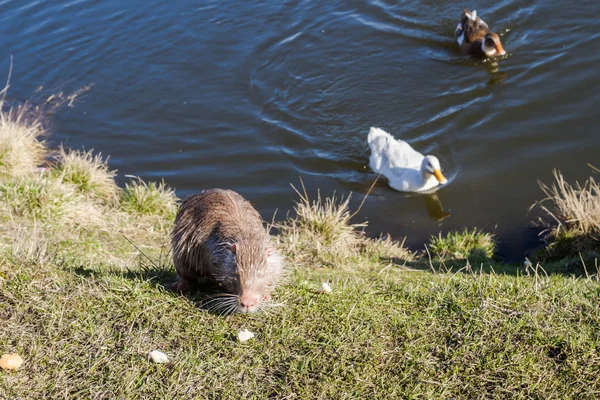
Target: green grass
(84,331)
(385,249)
(83,300)
(149,198)
(473,245)
(47,200)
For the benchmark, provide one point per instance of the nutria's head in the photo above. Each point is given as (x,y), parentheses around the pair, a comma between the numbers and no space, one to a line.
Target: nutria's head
(249,272)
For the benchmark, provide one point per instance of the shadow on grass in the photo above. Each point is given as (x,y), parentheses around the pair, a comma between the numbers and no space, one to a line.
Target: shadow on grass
(474,250)
(201,295)
(450,265)
(160,274)
(571,266)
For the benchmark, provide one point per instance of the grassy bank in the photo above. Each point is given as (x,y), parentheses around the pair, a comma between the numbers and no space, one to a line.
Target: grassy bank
(84,267)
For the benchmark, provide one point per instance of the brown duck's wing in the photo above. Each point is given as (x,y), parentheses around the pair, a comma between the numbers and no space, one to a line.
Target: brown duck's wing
(474,30)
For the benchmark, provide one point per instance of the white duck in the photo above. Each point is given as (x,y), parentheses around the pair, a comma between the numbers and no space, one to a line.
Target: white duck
(407,170)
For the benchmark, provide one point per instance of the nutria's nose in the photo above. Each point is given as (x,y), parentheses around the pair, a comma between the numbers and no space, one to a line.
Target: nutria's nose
(248,303)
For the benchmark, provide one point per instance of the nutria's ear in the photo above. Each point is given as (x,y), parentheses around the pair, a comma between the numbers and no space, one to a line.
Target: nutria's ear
(234,248)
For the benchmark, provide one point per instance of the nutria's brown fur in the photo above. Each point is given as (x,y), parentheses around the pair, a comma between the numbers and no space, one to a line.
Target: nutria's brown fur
(218,236)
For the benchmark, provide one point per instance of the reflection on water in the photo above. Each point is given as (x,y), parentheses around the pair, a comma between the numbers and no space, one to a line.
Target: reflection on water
(496,76)
(434,207)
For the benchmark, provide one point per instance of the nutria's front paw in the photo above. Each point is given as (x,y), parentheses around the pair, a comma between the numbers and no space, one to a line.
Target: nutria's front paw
(181,286)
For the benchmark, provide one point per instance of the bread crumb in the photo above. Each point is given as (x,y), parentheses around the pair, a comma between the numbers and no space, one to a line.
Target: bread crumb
(325,288)
(10,361)
(158,357)
(245,335)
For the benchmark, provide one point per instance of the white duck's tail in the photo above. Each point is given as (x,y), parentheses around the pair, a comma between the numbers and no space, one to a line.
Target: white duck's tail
(378,142)
(377,133)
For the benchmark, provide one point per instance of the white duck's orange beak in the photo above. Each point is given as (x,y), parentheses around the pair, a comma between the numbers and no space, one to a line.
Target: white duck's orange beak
(439,176)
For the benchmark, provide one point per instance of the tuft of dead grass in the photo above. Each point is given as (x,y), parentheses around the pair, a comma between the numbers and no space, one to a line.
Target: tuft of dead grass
(321,232)
(89,173)
(30,246)
(574,227)
(321,229)
(575,207)
(21,149)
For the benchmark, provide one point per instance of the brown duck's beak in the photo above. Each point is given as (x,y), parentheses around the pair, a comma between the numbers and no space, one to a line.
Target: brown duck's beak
(500,50)
(439,176)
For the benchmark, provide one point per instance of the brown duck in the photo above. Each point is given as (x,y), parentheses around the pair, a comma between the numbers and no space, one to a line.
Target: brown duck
(475,37)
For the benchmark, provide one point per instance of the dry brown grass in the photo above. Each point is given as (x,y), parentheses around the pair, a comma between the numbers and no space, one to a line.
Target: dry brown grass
(75,202)
(572,233)
(321,230)
(322,233)
(21,149)
(30,246)
(576,207)
(89,173)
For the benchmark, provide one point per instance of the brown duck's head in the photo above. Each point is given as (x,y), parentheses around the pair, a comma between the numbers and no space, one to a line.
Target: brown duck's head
(491,45)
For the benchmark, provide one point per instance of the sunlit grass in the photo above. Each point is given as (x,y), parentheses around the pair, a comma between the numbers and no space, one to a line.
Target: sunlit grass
(89,173)
(43,199)
(149,198)
(321,233)
(321,230)
(385,248)
(21,150)
(86,328)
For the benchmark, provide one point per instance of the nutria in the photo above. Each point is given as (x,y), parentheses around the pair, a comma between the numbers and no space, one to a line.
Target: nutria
(220,238)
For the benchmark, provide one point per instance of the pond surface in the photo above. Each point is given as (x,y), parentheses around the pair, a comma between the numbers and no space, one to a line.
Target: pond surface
(252,95)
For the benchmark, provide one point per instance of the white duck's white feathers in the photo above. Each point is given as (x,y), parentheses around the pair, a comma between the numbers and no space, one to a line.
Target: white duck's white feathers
(406,169)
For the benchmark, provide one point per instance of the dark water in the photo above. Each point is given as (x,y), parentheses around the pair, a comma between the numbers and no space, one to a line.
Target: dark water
(251,95)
